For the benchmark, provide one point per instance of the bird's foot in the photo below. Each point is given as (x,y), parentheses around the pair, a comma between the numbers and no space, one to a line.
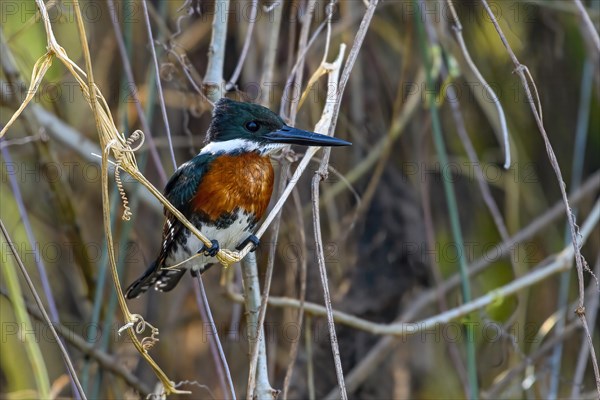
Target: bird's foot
(250,239)
(210,251)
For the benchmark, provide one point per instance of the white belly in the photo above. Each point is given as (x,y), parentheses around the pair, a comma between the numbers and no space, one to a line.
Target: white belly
(228,238)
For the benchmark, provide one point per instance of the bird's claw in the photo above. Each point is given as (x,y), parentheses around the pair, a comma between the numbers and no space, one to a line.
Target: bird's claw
(210,251)
(250,239)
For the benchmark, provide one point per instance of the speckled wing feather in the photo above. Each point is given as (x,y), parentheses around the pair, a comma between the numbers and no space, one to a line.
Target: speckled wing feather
(180,189)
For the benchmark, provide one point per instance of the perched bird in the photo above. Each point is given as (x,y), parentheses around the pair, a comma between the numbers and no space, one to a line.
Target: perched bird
(224,190)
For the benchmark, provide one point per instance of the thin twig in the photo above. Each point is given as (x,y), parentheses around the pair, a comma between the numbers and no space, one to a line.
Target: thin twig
(40,305)
(221,360)
(238,68)
(327,297)
(580,311)
(474,159)
(303,273)
(158,82)
(561,6)
(587,21)
(334,94)
(461,42)
(581,132)
(584,351)
(310,370)
(19,141)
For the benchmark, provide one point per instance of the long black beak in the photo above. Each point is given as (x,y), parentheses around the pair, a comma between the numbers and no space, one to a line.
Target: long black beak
(289,135)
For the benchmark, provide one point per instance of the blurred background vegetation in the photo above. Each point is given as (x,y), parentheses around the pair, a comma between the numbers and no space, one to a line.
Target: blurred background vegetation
(390,250)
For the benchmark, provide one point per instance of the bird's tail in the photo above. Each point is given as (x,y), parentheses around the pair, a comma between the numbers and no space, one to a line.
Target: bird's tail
(162,278)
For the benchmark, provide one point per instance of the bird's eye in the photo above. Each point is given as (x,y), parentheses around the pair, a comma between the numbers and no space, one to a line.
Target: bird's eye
(252,126)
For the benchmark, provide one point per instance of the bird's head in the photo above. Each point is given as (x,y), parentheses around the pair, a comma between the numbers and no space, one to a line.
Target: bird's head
(238,126)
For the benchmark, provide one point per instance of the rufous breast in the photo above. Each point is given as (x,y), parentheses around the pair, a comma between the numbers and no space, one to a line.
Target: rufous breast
(242,180)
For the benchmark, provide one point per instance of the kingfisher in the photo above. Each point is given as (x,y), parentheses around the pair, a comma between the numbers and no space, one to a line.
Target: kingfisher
(223,191)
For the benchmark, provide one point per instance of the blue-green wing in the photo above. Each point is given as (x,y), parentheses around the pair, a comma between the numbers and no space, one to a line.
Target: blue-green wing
(181,187)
